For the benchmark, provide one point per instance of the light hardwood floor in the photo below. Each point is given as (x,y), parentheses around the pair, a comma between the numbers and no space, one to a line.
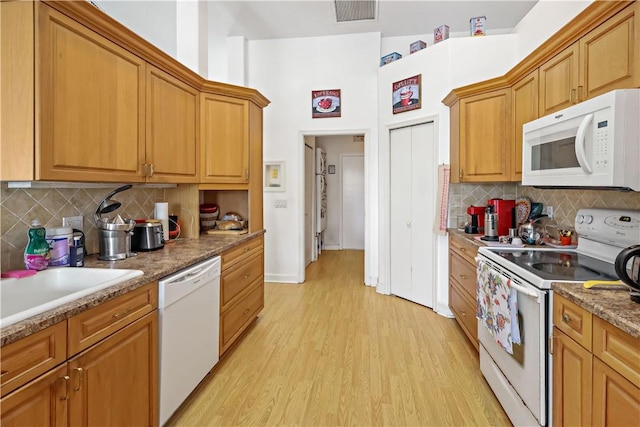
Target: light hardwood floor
(333,352)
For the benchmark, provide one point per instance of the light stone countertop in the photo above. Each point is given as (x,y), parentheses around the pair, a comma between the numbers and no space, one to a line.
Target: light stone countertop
(175,256)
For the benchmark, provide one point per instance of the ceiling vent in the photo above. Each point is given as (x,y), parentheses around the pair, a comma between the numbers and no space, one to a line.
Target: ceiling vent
(355,10)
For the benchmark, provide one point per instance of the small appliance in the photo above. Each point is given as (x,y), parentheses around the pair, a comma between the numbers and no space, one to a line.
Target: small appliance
(490,224)
(505,209)
(147,236)
(114,235)
(590,144)
(627,267)
(476,225)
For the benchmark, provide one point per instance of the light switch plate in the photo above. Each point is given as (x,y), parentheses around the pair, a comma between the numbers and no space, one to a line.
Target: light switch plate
(280,203)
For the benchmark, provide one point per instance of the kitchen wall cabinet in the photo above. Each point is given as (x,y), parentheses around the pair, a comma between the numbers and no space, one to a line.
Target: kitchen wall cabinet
(481,137)
(596,369)
(241,290)
(524,102)
(102,372)
(225,140)
(172,118)
(92,104)
(462,285)
(603,60)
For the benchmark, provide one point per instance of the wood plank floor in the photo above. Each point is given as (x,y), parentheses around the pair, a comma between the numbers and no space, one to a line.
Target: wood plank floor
(333,352)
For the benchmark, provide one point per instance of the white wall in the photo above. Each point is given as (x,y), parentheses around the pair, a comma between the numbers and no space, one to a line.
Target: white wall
(154,20)
(335,146)
(286,71)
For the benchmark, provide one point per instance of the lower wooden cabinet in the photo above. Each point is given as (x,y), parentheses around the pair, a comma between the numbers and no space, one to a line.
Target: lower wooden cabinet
(596,370)
(462,285)
(241,289)
(113,382)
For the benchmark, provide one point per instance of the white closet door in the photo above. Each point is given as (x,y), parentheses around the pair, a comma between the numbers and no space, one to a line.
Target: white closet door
(412,212)
(400,212)
(423,208)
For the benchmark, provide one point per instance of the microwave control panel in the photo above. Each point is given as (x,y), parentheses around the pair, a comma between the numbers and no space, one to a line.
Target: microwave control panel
(601,157)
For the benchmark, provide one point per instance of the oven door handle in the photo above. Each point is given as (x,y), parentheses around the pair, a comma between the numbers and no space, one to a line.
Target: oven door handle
(527,292)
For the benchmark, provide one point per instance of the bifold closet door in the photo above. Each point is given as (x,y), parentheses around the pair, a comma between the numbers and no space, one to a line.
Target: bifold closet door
(412,212)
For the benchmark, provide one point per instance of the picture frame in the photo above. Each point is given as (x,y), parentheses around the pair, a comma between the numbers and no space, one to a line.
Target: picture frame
(274,176)
(406,94)
(326,103)
(331,169)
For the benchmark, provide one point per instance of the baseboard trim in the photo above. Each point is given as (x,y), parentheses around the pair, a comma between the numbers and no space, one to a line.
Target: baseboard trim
(280,278)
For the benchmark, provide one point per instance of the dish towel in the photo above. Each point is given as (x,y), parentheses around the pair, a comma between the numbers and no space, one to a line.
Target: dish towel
(497,306)
(442,213)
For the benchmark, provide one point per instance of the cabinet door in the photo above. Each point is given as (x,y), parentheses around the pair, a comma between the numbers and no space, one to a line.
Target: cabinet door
(114,383)
(571,382)
(485,137)
(172,128)
(609,55)
(524,98)
(42,402)
(616,401)
(559,80)
(91,105)
(225,140)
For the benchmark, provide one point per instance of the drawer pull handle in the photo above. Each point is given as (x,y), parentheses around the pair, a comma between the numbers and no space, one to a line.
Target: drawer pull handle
(566,318)
(66,380)
(80,372)
(245,250)
(119,315)
(246,276)
(463,276)
(246,312)
(464,313)
(463,249)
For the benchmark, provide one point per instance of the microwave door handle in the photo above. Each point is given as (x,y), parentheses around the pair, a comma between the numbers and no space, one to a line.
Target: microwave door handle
(581,154)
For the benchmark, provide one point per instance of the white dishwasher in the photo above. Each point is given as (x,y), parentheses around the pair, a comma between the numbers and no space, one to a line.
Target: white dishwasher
(189,317)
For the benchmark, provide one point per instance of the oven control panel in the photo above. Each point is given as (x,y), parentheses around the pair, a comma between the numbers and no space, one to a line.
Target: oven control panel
(619,226)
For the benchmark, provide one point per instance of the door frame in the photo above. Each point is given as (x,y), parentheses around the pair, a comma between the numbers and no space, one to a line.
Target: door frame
(384,283)
(367,197)
(341,223)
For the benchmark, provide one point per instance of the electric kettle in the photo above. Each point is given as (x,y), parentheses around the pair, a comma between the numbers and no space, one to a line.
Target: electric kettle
(627,267)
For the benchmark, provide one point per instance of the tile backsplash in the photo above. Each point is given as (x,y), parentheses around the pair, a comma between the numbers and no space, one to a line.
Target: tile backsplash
(18,207)
(565,202)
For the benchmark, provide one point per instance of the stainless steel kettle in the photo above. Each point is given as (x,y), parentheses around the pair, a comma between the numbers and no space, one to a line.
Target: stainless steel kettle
(627,266)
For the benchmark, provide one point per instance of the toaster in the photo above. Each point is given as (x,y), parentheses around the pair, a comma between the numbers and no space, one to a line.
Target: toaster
(147,236)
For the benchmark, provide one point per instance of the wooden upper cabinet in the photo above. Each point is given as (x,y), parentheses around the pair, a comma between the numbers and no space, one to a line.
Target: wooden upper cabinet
(172,129)
(92,99)
(559,80)
(609,54)
(224,135)
(524,101)
(485,137)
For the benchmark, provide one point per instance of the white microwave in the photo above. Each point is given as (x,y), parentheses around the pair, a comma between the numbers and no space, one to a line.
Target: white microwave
(592,144)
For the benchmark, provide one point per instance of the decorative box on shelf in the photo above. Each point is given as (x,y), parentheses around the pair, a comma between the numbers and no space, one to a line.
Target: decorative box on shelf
(416,46)
(441,33)
(477,26)
(394,56)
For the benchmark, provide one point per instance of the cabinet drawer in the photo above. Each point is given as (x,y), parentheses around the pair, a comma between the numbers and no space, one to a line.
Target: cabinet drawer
(239,316)
(617,349)
(573,320)
(240,277)
(463,273)
(463,247)
(33,355)
(465,311)
(234,255)
(91,326)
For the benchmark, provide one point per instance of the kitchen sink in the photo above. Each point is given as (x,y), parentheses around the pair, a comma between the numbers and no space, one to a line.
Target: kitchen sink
(48,289)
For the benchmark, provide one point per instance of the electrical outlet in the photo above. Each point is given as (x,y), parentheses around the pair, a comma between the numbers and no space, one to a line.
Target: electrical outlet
(550,211)
(76,222)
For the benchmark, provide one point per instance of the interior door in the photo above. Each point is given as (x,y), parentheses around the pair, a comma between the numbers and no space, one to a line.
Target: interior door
(412,212)
(309,180)
(353,202)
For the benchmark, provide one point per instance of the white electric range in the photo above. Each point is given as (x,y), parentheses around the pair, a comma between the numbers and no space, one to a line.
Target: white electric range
(522,380)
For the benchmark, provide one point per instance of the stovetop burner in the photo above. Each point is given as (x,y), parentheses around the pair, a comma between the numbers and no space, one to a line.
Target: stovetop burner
(561,266)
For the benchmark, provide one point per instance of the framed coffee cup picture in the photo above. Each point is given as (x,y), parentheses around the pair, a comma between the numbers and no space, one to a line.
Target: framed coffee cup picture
(325,103)
(406,94)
